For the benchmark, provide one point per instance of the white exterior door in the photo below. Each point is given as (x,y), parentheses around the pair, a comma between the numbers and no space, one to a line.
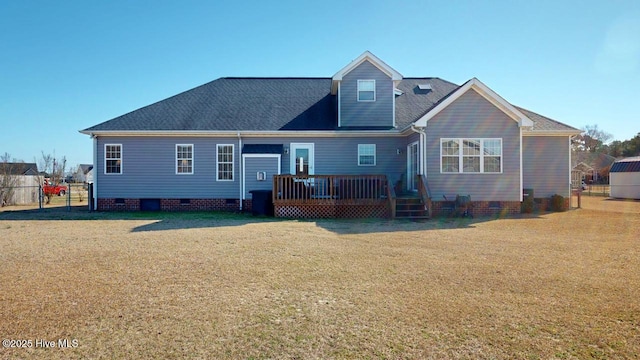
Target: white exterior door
(302,159)
(413,166)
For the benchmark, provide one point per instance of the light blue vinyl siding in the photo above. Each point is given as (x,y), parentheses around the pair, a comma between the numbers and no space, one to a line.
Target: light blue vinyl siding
(148,164)
(339,156)
(366,113)
(472,116)
(254,164)
(546,166)
(149,169)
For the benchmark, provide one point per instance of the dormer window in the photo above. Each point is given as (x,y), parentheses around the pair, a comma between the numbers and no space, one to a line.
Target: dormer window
(366,90)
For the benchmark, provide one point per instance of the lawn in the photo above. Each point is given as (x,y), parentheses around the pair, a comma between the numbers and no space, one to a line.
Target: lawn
(557,285)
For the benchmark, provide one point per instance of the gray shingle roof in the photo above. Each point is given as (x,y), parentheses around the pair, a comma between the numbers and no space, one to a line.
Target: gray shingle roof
(18,169)
(414,103)
(86,168)
(543,123)
(237,104)
(271,104)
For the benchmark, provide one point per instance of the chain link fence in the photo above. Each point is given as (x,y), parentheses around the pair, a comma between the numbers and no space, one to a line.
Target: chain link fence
(75,196)
(597,190)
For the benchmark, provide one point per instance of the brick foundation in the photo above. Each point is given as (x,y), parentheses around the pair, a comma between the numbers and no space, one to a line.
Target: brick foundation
(440,208)
(118,204)
(112,204)
(479,208)
(246,205)
(495,208)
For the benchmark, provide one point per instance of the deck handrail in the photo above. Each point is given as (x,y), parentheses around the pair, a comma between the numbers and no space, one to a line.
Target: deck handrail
(329,189)
(425,192)
(391,194)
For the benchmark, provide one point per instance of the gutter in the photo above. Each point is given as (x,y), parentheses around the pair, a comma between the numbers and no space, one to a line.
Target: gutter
(240,169)
(423,148)
(251,133)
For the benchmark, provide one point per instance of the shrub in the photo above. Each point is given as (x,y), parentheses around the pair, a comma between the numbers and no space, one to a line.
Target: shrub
(557,203)
(527,206)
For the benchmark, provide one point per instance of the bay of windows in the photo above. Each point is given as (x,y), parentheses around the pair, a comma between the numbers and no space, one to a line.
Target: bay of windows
(469,155)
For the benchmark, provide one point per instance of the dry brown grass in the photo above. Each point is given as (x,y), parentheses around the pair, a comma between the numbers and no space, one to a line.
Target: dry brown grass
(561,285)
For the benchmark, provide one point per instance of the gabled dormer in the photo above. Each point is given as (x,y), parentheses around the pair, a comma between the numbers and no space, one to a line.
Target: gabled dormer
(365,92)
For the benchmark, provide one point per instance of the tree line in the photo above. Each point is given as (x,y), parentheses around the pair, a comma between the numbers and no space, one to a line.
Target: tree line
(596,140)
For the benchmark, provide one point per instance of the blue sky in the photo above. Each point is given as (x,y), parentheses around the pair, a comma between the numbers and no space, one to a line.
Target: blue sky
(68,65)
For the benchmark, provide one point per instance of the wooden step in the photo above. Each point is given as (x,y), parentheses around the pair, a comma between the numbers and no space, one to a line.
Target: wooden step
(411,208)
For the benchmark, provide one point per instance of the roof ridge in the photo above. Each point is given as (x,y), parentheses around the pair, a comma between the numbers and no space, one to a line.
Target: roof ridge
(274,78)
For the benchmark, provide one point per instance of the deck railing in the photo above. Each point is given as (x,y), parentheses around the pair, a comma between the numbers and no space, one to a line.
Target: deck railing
(424,192)
(391,194)
(329,189)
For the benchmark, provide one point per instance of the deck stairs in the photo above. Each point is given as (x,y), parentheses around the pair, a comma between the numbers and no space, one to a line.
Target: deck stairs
(411,206)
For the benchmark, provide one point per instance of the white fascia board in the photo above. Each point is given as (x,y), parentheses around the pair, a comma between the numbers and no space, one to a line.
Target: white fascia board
(551,133)
(484,91)
(316,133)
(365,56)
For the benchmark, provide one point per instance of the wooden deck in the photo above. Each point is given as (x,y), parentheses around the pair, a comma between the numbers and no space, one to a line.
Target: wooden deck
(321,196)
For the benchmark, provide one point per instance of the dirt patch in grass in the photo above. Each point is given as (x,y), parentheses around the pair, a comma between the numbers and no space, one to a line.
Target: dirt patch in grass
(559,285)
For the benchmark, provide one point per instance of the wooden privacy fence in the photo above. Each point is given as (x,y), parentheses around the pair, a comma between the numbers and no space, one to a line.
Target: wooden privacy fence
(331,196)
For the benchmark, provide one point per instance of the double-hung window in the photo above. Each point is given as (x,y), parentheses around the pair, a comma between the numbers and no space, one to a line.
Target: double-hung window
(113,158)
(366,90)
(225,162)
(184,159)
(469,155)
(366,154)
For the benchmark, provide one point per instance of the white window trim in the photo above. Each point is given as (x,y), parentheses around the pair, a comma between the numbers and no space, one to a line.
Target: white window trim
(233,162)
(105,159)
(358,90)
(461,155)
(375,155)
(193,155)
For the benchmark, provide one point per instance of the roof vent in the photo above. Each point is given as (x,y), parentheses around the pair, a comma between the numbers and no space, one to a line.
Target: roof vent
(424,86)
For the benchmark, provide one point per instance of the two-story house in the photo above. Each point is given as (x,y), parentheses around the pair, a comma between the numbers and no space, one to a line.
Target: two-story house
(355,144)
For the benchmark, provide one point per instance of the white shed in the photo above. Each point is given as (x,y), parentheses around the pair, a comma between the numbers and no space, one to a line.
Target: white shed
(625,178)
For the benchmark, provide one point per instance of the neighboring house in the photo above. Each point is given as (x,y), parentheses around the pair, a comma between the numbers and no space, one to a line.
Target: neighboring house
(84,174)
(625,178)
(19,183)
(354,144)
(594,167)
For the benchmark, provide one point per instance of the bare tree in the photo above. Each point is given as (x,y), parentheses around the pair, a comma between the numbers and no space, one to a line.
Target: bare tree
(592,139)
(55,170)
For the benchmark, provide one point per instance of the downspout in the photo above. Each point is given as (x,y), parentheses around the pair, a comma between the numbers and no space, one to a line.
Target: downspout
(521,169)
(96,172)
(570,169)
(339,105)
(422,147)
(241,183)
